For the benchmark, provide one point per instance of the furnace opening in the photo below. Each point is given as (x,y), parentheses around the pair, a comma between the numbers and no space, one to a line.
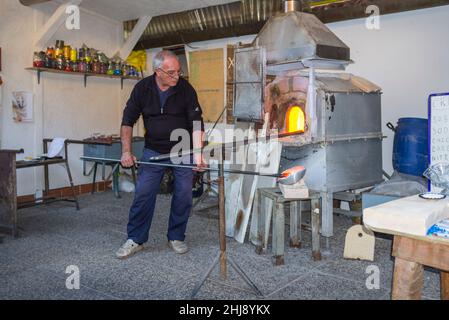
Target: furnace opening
(295,120)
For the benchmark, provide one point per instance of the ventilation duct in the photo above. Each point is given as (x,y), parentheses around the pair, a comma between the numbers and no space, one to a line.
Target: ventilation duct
(247,17)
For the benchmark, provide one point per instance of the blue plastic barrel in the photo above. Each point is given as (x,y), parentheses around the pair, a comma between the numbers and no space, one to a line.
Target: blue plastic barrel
(410,147)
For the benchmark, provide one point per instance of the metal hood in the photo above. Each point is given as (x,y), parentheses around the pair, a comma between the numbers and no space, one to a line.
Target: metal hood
(296,39)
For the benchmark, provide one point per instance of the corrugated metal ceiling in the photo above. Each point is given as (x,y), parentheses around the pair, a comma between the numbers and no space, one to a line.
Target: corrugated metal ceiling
(249,16)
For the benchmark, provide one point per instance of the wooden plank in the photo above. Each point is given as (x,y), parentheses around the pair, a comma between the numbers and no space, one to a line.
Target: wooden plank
(137,32)
(273,151)
(430,254)
(444,285)
(233,183)
(259,211)
(89,74)
(268,159)
(8,192)
(247,190)
(266,156)
(410,215)
(432,239)
(407,280)
(229,84)
(206,74)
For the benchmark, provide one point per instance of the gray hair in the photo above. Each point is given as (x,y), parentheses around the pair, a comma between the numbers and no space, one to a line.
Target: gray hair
(160,57)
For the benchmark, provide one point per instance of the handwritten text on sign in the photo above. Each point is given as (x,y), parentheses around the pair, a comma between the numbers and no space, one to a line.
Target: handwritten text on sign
(439,147)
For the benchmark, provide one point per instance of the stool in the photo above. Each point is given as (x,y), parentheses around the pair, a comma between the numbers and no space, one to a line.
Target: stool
(278,216)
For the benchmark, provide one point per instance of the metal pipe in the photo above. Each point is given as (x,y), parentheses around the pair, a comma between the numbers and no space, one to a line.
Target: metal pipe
(222,217)
(28,3)
(186,166)
(211,147)
(292,5)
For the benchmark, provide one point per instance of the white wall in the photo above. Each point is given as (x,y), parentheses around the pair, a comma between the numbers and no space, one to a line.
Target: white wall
(62,106)
(408,57)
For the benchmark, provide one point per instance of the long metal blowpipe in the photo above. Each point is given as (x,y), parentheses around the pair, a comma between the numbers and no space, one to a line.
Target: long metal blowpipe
(154,163)
(217,146)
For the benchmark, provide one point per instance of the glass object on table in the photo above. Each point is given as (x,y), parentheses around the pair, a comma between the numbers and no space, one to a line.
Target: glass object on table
(438,174)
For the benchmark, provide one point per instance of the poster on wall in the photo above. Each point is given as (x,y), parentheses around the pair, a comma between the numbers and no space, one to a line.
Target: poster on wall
(22,106)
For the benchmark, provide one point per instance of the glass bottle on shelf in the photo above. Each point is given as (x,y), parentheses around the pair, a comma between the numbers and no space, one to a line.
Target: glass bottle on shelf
(81,54)
(67,49)
(59,48)
(103,67)
(96,66)
(38,60)
(88,56)
(60,62)
(68,66)
(75,66)
(117,69)
(88,66)
(82,66)
(110,70)
(125,69)
(73,55)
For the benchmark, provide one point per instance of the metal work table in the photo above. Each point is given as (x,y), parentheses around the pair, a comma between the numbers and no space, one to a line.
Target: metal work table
(278,215)
(109,149)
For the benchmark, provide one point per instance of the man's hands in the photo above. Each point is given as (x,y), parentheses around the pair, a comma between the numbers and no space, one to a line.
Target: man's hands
(198,159)
(128,159)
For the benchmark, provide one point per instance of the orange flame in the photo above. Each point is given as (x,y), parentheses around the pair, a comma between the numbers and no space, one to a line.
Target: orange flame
(295,120)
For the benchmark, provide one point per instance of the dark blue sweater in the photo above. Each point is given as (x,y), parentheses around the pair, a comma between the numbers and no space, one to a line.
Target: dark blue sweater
(180,110)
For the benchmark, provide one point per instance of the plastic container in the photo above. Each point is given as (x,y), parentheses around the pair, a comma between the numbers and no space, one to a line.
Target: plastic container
(410,147)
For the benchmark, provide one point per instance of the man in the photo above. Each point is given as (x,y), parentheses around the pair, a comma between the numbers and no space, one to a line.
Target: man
(166,102)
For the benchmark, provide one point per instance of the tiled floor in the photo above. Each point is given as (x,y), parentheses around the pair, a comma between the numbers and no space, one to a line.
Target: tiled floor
(55,237)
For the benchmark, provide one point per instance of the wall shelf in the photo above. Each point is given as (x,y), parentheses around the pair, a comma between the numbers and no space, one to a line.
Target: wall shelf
(85,75)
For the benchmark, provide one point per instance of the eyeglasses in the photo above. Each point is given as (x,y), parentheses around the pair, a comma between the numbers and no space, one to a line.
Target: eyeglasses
(173,74)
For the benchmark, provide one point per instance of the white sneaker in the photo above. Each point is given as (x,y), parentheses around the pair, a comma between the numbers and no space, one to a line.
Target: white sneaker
(179,247)
(128,249)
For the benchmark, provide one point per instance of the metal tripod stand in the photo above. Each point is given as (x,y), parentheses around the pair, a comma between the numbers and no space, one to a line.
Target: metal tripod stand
(222,256)
(206,193)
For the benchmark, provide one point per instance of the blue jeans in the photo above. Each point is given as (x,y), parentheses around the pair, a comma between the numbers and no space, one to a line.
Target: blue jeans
(147,188)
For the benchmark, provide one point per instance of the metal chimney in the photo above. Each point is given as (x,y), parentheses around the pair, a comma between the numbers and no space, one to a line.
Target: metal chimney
(292,5)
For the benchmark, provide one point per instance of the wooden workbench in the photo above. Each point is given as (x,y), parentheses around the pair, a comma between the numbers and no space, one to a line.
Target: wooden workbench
(412,251)
(411,254)
(8,185)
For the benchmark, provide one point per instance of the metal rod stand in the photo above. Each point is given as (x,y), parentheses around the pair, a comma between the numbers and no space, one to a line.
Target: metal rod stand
(222,257)
(205,194)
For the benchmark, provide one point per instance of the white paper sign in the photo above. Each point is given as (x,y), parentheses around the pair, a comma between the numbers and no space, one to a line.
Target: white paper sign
(439,130)
(56,147)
